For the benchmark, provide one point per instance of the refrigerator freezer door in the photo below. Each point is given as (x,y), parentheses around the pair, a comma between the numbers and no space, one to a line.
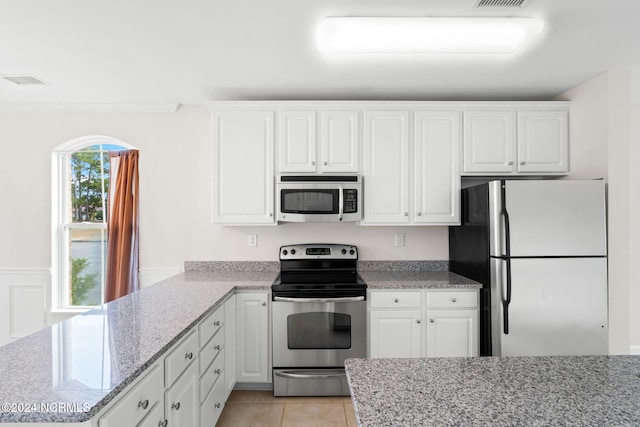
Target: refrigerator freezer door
(558,307)
(556,218)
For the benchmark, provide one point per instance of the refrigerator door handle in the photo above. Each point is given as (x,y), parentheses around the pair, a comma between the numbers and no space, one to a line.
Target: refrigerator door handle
(506,296)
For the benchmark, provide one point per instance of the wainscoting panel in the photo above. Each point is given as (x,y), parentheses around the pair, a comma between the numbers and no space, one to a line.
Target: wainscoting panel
(23,302)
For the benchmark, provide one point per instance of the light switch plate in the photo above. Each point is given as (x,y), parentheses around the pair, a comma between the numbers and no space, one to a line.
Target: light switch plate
(399,239)
(253,240)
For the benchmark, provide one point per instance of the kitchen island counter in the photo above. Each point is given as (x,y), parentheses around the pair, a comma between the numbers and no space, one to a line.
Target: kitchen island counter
(511,391)
(70,371)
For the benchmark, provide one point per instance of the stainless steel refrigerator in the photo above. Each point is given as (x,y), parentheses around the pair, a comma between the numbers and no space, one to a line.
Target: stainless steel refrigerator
(539,248)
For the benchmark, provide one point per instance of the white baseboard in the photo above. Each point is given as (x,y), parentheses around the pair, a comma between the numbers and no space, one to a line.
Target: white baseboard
(151,276)
(635,350)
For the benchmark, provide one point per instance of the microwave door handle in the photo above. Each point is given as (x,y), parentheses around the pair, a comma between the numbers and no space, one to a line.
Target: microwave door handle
(340,202)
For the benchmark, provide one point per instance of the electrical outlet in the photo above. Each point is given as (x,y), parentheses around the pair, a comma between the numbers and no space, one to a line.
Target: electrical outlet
(399,239)
(253,240)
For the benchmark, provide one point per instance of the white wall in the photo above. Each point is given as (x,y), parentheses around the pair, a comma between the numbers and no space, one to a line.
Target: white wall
(604,134)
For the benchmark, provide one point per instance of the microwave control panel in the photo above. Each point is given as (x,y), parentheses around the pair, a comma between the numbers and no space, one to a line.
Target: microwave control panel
(350,200)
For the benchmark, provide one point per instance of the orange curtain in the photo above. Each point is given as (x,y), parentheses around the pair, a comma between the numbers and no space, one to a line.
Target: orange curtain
(122,226)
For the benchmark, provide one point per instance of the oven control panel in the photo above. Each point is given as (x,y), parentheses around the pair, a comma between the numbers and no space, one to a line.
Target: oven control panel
(318,251)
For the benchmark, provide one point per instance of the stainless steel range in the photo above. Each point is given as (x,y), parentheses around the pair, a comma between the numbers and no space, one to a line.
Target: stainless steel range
(319,319)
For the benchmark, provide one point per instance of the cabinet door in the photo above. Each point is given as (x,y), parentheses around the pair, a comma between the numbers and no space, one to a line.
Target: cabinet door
(340,141)
(386,167)
(297,141)
(230,344)
(395,333)
(181,400)
(252,344)
(436,148)
(452,333)
(543,142)
(243,179)
(489,142)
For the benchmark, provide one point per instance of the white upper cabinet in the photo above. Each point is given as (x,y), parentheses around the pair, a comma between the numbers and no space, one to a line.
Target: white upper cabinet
(543,142)
(489,142)
(243,157)
(297,141)
(516,142)
(386,167)
(436,156)
(304,146)
(340,141)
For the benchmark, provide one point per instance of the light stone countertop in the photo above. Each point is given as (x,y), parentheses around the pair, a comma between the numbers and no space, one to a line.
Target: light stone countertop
(418,279)
(85,361)
(493,391)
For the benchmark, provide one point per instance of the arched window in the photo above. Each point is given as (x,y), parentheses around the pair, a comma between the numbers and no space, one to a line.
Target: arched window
(80,170)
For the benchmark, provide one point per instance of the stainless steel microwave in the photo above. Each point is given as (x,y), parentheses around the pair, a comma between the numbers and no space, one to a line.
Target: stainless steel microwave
(319,198)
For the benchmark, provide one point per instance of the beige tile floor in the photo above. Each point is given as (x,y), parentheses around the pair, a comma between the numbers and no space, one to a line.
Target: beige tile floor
(262,409)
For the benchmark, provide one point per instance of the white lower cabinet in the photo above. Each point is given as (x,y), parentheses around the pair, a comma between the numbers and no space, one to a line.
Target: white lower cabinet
(140,400)
(181,399)
(252,334)
(397,327)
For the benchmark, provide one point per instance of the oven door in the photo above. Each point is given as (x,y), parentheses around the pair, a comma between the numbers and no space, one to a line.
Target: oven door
(318,332)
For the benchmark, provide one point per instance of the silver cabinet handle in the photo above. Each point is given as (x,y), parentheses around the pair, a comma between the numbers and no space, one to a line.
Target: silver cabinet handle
(188,356)
(217,405)
(417,320)
(217,371)
(396,300)
(510,163)
(270,213)
(216,323)
(406,214)
(217,347)
(176,406)
(325,163)
(329,374)
(453,300)
(419,213)
(144,404)
(523,163)
(432,321)
(163,423)
(313,163)
(264,304)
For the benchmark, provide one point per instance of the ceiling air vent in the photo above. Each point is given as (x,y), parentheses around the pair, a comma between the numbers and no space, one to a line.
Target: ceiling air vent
(26,79)
(499,3)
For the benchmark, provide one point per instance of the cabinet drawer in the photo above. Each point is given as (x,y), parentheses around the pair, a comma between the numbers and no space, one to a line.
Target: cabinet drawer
(180,358)
(211,408)
(395,299)
(155,417)
(209,326)
(211,350)
(452,299)
(137,402)
(211,376)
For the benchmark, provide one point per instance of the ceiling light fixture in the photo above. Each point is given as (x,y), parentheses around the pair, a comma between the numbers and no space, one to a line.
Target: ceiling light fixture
(424,35)
(24,79)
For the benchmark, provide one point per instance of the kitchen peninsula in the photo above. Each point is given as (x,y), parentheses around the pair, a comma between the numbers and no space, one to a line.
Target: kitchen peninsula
(78,370)
(510,391)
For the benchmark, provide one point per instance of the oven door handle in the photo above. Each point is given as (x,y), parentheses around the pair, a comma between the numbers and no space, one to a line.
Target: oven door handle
(331,374)
(342,299)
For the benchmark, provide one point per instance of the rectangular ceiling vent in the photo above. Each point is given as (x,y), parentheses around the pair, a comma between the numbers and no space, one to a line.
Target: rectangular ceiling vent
(499,4)
(26,79)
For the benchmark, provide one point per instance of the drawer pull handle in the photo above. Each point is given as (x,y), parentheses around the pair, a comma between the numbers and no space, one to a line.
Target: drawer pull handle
(163,423)
(216,323)
(217,371)
(217,405)
(417,320)
(264,304)
(453,300)
(396,300)
(217,347)
(144,404)
(432,321)
(176,406)
(188,356)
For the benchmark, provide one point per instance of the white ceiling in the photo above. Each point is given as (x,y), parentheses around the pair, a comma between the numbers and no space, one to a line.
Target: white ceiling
(192,51)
